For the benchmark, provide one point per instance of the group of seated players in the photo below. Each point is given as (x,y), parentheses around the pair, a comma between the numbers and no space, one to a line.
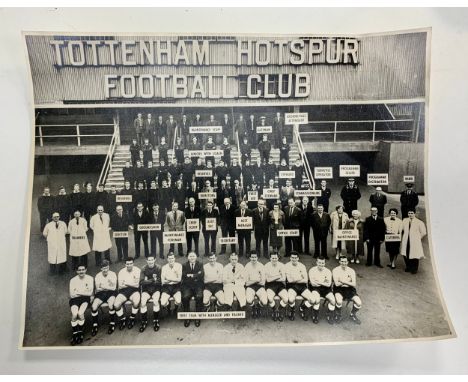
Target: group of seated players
(271,288)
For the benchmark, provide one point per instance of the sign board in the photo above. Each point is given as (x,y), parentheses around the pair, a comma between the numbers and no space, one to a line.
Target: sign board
(193,225)
(174,237)
(206,195)
(252,196)
(228,240)
(203,173)
(210,224)
(309,193)
(264,129)
(271,193)
(123,198)
(408,178)
(287,174)
(296,118)
(204,153)
(377,179)
(205,129)
(392,237)
(347,234)
(350,170)
(210,315)
(244,222)
(149,227)
(287,232)
(323,172)
(119,234)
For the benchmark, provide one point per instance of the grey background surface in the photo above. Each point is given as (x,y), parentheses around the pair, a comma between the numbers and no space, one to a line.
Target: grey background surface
(448,138)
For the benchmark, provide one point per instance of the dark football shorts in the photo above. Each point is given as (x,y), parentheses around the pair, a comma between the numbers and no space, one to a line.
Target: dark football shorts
(214,287)
(128,291)
(255,287)
(151,288)
(347,292)
(79,300)
(170,289)
(104,295)
(322,290)
(275,286)
(298,288)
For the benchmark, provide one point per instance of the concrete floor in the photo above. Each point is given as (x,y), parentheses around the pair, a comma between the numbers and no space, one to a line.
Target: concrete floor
(396,305)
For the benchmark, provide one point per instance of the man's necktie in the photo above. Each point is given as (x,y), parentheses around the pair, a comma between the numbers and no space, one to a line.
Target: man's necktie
(77,221)
(290,212)
(100,217)
(191,265)
(392,218)
(56,225)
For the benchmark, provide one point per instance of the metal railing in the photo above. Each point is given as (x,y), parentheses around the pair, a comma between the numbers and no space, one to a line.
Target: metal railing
(336,131)
(110,153)
(77,132)
(305,160)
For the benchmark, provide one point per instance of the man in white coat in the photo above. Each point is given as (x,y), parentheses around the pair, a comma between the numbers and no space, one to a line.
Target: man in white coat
(100,224)
(55,232)
(411,242)
(79,245)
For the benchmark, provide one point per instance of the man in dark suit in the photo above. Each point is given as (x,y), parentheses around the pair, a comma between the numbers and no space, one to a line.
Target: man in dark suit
(150,130)
(227,221)
(243,234)
(139,126)
(261,223)
(192,212)
(45,205)
(278,127)
(171,126)
(320,226)
(119,223)
(379,201)
(374,236)
(409,200)
(135,152)
(140,216)
(209,232)
(160,129)
(350,195)
(157,216)
(306,223)
(324,199)
(227,129)
(192,285)
(185,130)
(128,173)
(292,220)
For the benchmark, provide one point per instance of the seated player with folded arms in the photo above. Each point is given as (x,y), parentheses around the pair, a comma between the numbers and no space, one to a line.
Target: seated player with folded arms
(275,285)
(150,286)
(81,290)
(213,283)
(255,285)
(320,279)
(129,290)
(171,277)
(344,279)
(105,284)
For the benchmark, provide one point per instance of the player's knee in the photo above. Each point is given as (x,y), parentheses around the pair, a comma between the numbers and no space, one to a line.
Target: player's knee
(357,303)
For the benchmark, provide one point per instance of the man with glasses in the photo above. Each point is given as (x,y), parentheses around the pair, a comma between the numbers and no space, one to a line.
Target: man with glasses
(55,232)
(105,284)
(81,290)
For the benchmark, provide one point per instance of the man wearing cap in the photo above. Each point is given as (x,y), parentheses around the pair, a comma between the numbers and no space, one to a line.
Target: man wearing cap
(105,284)
(374,235)
(409,200)
(81,288)
(378,200)
(350,195)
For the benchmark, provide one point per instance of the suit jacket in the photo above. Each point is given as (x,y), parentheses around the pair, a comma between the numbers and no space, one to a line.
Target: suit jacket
(193,215)
(227,219)
(321,225)
(306,215)
(292,221)
(144,219)
(261,225)
(205,214)
(119,223)
(150,126)
(139,125)
(175,222)
(378,201)
(374,229)
(324,199)
(285,194)
(198,275)
(237,214)
(161,219)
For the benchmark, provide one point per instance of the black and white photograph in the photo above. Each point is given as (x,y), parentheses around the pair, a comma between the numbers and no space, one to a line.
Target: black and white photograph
(229,190)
